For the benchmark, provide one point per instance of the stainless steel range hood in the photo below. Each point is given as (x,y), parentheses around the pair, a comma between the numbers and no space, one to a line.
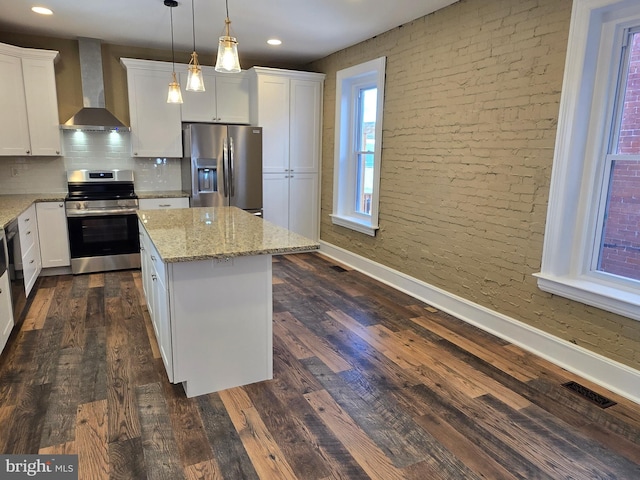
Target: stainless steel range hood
(94,116)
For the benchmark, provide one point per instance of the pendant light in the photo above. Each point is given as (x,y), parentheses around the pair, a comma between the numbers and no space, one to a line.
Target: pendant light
(174,95)
(195,83)
(227,50)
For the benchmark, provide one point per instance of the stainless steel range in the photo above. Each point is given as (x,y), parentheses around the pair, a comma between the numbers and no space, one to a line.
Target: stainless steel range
(101,216)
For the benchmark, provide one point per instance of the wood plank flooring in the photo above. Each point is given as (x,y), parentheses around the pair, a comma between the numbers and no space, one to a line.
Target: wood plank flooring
(368,383)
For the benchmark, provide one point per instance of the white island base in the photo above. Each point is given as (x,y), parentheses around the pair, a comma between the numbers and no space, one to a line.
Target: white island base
(206,275)
(221,314)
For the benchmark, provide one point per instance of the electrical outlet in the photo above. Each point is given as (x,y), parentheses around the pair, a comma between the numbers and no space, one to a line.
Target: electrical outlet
(15,172)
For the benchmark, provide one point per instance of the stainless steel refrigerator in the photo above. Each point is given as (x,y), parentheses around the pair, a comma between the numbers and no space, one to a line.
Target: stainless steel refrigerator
(222,165)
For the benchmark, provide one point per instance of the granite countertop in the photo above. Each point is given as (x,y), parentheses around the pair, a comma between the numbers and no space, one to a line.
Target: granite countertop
(162,194)
(202,233)
(11,206)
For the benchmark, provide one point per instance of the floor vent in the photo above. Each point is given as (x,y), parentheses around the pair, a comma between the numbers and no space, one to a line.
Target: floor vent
(593,397)
(338,268)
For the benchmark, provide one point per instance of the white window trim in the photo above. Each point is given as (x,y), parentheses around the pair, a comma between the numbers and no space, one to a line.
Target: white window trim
(577,165)
(343,211)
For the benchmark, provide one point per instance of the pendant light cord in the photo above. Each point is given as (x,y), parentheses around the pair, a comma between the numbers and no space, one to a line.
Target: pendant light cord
(227,4)
(173,53)
(193,25)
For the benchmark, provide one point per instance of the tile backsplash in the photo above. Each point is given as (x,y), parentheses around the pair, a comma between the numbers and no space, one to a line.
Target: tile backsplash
(91,150)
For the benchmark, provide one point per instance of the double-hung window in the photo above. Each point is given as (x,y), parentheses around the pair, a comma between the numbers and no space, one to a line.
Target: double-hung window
(592,239)
(359,106)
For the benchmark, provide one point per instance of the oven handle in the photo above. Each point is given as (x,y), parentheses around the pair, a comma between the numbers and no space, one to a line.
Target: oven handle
(101,213)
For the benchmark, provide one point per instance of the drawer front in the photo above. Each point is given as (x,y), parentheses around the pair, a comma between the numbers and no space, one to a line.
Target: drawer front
(159,203)
(27,228)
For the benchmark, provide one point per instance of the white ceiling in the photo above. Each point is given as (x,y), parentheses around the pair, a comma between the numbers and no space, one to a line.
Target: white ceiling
(309,29)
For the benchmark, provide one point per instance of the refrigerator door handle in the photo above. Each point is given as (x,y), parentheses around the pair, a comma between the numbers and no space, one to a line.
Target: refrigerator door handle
(231,172)
(225,172)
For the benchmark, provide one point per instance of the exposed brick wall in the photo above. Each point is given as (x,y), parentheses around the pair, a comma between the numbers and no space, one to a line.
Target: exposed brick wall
(470,115)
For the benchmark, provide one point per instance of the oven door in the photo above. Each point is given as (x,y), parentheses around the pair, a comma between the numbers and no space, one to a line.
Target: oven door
(103,242)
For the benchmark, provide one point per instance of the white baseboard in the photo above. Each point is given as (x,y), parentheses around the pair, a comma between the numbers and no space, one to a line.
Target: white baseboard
(614,376)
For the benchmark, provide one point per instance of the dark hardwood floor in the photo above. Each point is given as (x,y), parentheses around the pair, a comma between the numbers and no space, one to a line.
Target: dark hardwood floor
(368,383)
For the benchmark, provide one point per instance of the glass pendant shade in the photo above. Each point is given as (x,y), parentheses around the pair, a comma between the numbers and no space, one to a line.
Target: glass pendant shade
(175,95)
(228,60)
(195,82)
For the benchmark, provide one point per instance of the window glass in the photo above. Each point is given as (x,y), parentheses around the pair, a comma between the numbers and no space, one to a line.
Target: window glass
(619,249)
(365,145)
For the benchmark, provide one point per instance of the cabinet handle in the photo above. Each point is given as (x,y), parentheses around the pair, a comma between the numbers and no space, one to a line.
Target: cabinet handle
(154,278)
(28,152)
(142,249)
(29,232)
(61,205)
(153,258)
(0,291)
(165,205)
(27,219)
(31,262)
(57,152)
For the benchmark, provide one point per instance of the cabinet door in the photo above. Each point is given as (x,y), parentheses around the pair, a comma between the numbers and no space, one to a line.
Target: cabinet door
(303,204)
(52,230)
(273,117)
(6,310)
(275,198)
(161,300)
(232,98)
(156,129)
(305,118)
(14,129)
(199,106)
(42,106)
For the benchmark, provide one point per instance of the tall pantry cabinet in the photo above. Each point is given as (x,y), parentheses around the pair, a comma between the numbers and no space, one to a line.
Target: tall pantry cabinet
(288,106)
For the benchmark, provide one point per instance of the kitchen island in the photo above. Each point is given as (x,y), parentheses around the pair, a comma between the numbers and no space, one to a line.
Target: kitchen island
(206,275)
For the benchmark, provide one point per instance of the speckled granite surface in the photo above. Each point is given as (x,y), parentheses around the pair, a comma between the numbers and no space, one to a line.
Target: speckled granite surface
(188,234)
(162,194)
(13,205)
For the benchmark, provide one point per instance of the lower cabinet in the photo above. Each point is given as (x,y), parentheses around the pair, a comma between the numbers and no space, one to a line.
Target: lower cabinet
(154,285)
(291,201)
(212,318)
(52,229)
(6,310)
(30,248)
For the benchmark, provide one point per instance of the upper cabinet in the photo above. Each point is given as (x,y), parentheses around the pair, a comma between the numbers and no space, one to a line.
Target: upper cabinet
(225,99)
(287,105)
(156,129)
(156,126)
(29,123)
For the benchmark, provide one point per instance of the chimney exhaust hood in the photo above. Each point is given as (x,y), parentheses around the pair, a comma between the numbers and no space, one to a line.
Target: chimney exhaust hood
(94,116)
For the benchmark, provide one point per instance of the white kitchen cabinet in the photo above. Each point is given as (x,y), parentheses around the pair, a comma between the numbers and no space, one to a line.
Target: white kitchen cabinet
(29,123)
(54,234)
(288,107)
(29,248)
(6,310)
(286,201)
(154,285)
(157,203)
(225,99)
(156,128)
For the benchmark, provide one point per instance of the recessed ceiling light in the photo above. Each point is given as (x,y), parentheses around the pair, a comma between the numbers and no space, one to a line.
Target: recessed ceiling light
(274,41)
(42,10)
